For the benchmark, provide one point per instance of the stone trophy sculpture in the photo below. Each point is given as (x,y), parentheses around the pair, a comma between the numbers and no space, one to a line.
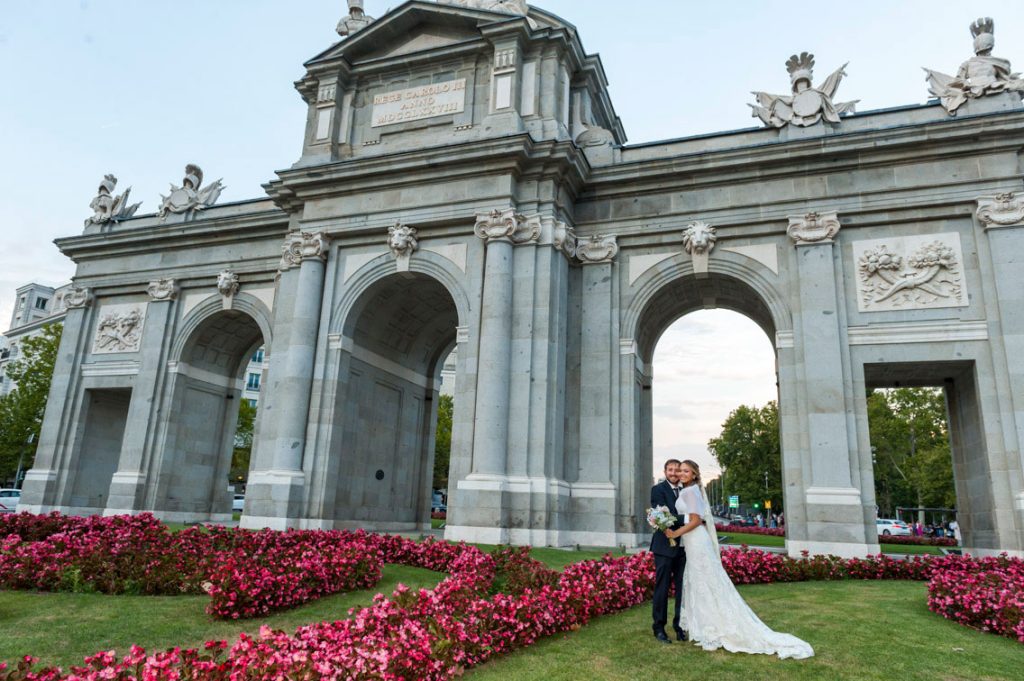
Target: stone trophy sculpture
(189,198)
(979,76)
(355,21)
(808,104)
(109,208)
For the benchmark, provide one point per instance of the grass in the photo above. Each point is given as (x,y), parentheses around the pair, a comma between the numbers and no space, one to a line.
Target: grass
(62,628)
(737,538)
(859,630)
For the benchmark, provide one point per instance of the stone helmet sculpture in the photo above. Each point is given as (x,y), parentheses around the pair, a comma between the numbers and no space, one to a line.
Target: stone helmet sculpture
(193,175)
(108,184)
(355,5)
(800,68)
(983,31)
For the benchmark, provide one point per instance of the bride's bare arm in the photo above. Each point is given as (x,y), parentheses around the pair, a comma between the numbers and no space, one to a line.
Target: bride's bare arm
(694,521)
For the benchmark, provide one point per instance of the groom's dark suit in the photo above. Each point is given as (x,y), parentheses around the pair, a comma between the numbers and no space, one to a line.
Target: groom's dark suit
(669,561)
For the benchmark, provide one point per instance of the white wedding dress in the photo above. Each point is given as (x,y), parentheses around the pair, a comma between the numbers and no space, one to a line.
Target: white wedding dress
(714,613)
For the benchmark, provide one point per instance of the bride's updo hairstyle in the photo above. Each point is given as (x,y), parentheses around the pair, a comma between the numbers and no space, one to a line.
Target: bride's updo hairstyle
(692,465)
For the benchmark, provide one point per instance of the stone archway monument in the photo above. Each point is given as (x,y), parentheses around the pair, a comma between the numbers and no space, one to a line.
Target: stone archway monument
(464,183)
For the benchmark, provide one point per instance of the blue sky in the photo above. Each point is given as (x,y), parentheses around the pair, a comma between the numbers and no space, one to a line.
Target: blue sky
(140,88)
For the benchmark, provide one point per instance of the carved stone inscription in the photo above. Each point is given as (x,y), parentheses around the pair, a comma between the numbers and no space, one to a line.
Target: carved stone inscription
(119,329)
(417,103)
(910,273)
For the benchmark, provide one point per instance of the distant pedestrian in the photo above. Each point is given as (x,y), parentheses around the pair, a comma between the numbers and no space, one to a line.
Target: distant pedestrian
(955,527)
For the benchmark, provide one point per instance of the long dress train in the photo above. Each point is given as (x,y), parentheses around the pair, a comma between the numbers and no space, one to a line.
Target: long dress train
(716,615)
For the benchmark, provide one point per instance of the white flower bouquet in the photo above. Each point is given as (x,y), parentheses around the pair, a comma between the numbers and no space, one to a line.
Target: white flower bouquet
(660,518)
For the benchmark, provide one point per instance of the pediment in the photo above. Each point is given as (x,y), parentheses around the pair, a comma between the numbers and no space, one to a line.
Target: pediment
(416,26)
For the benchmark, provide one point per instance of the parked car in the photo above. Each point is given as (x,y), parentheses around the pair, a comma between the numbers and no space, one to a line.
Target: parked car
(9,499)
(895,528)
(238,503)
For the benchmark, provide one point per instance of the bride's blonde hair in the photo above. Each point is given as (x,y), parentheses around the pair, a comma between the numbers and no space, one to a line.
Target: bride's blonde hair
(696,471)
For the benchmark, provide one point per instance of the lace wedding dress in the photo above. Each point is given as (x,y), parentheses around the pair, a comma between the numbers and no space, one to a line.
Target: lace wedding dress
(715,614)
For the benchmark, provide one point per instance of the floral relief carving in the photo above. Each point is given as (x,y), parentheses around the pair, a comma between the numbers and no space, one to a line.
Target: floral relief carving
(910,273)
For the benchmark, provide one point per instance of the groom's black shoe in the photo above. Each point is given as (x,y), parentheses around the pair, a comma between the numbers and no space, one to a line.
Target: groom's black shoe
(681,635)
(661,636)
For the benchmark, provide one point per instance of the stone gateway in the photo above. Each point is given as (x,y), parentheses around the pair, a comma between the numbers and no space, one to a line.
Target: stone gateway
(465,184)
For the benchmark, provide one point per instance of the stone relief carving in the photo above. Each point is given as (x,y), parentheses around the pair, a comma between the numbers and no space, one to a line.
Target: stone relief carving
(507,225)
(403,243)
(355,21)
(808,104)
(188,199)
(597,249)
(904,273)
(1001,210)
(504,6)
(77,297)
(299,246)
(109,208)
(698,241)
(227,283)
(563,238)
(979,76)
(813,227)
(163,289)
(119,329)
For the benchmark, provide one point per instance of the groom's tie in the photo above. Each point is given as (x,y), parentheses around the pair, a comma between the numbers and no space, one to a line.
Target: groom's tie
(675,491)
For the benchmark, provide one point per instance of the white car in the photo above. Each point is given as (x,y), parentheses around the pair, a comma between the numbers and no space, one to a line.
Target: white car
(896,528)
(238,503)
(9,499)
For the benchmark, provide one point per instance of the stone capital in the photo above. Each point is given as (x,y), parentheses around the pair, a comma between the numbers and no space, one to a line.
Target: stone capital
(1001,210)
(563,238)
(77,297)
(509,226)
(300,246)
(162,290)
(813,228)
(597,250)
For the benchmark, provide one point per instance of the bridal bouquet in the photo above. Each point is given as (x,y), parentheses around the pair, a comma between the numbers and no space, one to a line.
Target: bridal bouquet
(660,518)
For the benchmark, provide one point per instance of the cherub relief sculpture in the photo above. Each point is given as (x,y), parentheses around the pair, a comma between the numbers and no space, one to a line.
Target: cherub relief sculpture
(109,208)
(189,198)
(355,21)
(979,76)
(807,105)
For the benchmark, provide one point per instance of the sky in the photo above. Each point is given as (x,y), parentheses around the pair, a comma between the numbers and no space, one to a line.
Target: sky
(140,88)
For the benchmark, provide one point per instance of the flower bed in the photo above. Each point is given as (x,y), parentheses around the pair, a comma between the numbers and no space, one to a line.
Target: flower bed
(752,529)
(986,594)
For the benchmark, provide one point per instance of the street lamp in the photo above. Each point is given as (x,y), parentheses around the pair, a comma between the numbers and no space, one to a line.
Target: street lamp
(766,481)
(21,459)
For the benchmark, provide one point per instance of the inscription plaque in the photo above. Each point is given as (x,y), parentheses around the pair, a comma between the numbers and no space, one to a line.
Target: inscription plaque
(417,103)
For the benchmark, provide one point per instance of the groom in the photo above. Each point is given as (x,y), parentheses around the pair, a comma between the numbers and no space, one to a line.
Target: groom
(669,561)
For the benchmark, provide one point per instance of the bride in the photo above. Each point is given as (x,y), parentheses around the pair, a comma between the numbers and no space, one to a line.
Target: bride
(715,613)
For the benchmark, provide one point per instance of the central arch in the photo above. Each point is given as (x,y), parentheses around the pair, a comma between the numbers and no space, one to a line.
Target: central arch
(394,340)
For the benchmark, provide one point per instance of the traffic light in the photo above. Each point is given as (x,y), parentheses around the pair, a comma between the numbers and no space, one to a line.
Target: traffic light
(757,505)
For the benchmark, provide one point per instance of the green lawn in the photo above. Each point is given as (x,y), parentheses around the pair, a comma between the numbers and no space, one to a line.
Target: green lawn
(860,630)
(62,628)
(737,538)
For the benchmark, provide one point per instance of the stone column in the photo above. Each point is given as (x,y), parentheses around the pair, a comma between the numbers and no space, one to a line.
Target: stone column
(1002,217)
(275,491)
(44,482)
(127,487)
(490,436)
(834,506)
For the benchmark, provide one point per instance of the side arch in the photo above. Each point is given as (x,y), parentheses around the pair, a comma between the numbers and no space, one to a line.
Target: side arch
(196,317)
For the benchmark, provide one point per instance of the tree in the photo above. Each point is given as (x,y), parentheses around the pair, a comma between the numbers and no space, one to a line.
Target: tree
(243,443)
(443,441)
(747,449)
(910,443)
(21,411)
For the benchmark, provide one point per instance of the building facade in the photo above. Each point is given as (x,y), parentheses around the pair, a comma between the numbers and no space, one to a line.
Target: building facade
(36,306)
(465,184)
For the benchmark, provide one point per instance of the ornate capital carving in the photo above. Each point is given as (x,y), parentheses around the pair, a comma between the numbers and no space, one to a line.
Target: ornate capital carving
(563,238)
(77,297)
(1001,210)
(227,283)
(813,228)
(597,250)
(403,243)
(507,225)
(299,246)
(162,289)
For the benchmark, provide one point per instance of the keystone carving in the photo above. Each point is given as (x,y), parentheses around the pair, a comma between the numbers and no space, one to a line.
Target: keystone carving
(163,289)
(507,225)
(597,250)
(813,228)
(1001,210)
(699,240)
(227,283)
(77,297)
(403,243)
(299,246)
